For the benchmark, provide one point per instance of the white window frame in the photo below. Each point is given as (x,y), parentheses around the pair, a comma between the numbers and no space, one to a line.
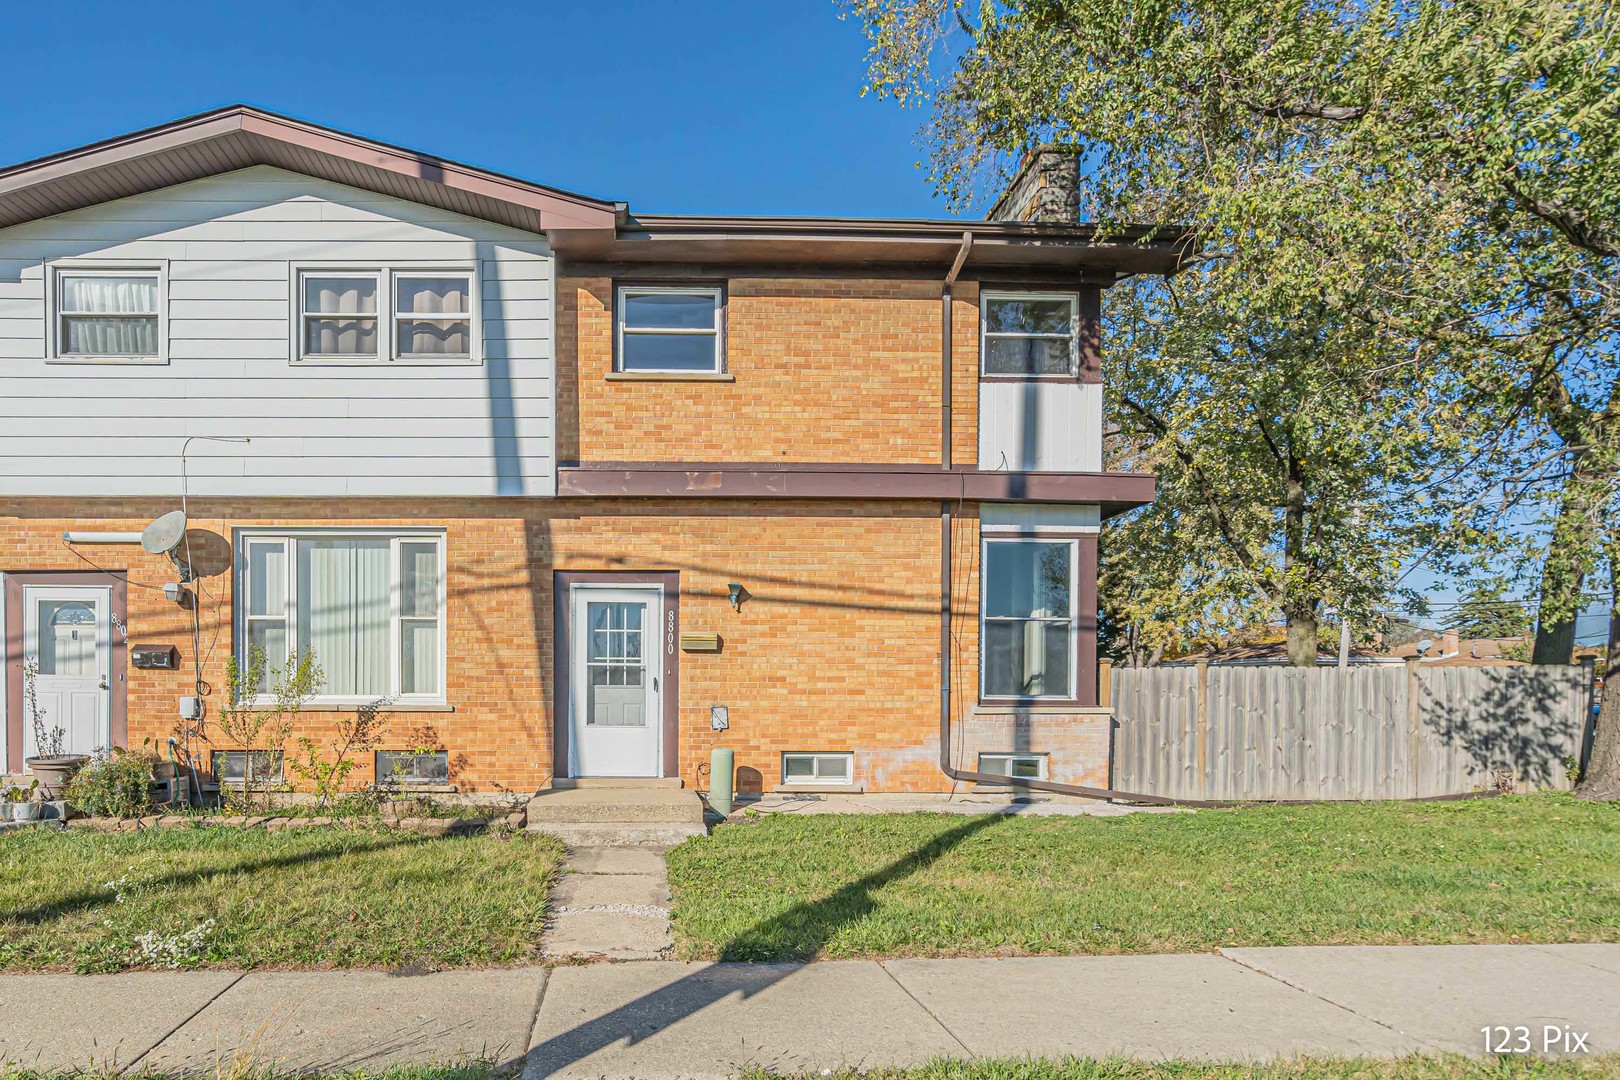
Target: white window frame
(1014,755)
(380,780)
(388,315)
(817,779)
(1073,336)
(55,271)
(1072,694)
(279,756)
(246,538)
(717,331)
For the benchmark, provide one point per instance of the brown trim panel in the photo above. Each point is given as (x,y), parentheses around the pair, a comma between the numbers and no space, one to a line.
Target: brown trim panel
(1114,492)
(118,660)
(562,583)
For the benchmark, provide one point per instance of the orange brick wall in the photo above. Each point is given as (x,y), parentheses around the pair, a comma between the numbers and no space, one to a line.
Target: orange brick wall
(824,370)
(837,649)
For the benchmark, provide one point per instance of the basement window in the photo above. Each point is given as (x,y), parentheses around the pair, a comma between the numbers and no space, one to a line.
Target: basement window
(403,767)
(1024,766)
(837,768)
(670,329)
(233,768)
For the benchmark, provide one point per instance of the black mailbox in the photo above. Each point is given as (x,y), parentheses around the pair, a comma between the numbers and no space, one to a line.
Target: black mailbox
(158,656)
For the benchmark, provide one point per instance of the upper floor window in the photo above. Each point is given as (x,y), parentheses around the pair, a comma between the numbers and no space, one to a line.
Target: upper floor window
(428,317)
(670,328)
(1029,334)
(108,314)
(1028,631)
(369,607)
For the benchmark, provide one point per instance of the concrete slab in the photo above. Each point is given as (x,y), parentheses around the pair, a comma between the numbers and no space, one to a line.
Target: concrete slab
(616,860)
(712,1020)
(617,935)
(593,890)
(1604,957)
(341,1020)
(1152,1007)
(1444,994)
(67,1022)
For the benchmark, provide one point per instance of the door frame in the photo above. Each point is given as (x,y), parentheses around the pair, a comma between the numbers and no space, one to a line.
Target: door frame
(562,595)
(117,582)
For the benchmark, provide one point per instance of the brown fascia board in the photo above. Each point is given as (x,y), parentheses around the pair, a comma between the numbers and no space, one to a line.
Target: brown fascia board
(1061,248)
(1114,492)
(240,136)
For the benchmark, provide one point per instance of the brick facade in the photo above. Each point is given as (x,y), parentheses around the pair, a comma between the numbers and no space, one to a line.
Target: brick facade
(837,649)
(820,370)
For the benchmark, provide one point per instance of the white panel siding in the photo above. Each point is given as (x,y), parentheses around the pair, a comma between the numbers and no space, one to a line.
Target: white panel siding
(1040,426)
(230,243)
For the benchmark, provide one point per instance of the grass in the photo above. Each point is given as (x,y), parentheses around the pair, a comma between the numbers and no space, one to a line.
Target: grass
(1536,868)
(210,896)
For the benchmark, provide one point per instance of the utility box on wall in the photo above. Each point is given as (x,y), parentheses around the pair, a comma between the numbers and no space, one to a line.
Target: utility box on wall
(155,657)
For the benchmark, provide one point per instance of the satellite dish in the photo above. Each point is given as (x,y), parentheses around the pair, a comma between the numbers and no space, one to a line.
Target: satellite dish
(1424,645)
(164,534)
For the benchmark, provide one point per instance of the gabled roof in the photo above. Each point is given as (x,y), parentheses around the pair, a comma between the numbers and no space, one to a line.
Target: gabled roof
(239,137)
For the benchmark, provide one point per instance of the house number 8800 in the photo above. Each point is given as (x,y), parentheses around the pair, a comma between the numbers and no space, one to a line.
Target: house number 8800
(669,632)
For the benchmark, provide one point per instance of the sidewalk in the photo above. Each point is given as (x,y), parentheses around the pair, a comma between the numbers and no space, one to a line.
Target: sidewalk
(665,1019)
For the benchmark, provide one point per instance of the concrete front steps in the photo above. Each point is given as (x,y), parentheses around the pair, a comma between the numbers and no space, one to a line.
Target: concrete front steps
(617,813)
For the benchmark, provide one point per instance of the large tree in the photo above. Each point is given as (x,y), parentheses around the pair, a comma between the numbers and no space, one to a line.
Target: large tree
(1445,172)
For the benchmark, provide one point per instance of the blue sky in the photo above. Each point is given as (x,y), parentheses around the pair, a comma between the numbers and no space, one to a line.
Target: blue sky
(738,106)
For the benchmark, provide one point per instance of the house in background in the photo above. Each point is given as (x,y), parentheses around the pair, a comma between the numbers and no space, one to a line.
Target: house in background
(572,491)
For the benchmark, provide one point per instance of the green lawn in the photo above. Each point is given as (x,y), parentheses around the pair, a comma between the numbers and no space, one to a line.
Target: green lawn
(321,897)
(1409,1068)
(1537,868)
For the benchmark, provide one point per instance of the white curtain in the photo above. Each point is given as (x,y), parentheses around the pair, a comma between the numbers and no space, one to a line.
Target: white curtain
(419,623)
(343,612)
(84,303)
(349,296)
(441,336)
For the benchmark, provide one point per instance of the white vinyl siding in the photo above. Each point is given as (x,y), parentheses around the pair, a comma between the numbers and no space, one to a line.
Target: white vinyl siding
(367,604)
(230,247)
(1040,425)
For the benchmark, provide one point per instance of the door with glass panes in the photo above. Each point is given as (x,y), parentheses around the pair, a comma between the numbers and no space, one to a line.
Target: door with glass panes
(615,702)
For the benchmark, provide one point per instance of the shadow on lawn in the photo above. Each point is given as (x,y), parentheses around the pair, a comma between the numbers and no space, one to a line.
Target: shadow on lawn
(107,894)
(805,928)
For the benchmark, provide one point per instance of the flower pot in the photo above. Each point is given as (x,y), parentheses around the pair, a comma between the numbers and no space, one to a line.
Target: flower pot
(53,773)
(25,811)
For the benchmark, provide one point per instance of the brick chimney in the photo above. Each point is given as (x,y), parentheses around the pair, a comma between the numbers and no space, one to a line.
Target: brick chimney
(1448,643)
(1046,188)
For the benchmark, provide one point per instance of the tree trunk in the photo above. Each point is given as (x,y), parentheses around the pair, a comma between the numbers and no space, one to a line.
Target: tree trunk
(1601,780)
(1569,558)
(1302,629)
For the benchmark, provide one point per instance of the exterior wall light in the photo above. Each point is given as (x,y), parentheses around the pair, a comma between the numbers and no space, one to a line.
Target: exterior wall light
(736,594)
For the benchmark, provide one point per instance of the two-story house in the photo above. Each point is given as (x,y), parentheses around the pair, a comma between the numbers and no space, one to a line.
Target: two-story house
(571,490)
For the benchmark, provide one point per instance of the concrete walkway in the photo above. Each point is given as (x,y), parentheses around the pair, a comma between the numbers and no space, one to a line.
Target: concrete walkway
(662,1019)
(610,902)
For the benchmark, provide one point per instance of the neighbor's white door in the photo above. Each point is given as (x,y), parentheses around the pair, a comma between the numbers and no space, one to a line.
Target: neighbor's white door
(67,630)
(613,686)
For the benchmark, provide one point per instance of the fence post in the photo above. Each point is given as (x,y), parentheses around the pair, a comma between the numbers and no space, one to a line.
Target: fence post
(1203,729)
(1414,725)
(1105,683)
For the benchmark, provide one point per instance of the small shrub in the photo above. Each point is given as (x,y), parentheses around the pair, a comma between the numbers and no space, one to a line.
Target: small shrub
(116,784)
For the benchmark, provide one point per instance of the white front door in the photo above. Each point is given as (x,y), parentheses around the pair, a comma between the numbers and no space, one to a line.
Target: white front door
(67,632)
(615,703)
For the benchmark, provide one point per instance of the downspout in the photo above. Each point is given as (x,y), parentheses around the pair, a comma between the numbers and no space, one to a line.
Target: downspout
(946,349)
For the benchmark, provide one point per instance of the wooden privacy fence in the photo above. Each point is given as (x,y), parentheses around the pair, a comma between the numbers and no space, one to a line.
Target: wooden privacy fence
(1374,731)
